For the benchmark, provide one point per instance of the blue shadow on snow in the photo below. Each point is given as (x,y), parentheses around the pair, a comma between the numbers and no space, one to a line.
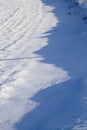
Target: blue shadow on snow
(62,105)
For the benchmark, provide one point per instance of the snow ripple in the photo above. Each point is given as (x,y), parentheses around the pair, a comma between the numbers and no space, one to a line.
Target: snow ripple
(22,72)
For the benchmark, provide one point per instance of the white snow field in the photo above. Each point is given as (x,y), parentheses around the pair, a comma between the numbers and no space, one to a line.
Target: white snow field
(43,67)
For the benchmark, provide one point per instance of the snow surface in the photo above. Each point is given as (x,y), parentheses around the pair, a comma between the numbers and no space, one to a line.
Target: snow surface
(43,67)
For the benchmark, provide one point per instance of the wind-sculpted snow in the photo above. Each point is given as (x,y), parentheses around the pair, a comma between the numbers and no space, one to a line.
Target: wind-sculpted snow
(23,24)
(43,65)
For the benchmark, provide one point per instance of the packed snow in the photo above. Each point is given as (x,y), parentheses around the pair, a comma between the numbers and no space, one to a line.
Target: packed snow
(43,67)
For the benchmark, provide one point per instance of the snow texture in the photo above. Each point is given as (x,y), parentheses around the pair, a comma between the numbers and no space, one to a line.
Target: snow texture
(43,67)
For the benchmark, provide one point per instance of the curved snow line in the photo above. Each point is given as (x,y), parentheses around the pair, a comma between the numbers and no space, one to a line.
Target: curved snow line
(20,37)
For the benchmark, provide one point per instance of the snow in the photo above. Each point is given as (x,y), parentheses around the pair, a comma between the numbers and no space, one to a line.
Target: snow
(43,68)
